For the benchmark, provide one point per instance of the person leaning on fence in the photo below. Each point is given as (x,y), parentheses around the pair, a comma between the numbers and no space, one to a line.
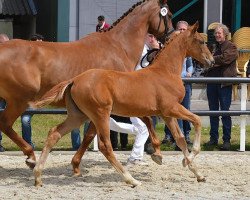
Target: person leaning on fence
(220,95)
(3,38)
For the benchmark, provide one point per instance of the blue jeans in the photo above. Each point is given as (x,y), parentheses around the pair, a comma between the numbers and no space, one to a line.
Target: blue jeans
(76,137)
(2,106)
(168,134)
(26,129)
(183,124)
(219,98)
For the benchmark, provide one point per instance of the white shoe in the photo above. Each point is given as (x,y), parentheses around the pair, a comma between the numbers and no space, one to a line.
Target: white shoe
(134,162)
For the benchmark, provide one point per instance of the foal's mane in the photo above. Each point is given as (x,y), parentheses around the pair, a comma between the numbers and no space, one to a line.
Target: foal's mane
(124,15)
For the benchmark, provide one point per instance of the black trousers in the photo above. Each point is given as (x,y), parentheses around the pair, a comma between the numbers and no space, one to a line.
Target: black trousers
(123,136)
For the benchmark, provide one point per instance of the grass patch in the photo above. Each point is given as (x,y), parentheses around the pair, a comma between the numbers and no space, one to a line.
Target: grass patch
(41,124)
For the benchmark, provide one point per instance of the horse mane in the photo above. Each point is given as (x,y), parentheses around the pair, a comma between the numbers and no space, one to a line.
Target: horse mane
(124,15)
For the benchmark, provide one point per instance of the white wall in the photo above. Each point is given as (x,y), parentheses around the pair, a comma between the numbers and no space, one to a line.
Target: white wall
(84,13)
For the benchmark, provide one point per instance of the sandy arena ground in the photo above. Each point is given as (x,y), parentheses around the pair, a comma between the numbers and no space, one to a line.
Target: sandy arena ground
(227,174)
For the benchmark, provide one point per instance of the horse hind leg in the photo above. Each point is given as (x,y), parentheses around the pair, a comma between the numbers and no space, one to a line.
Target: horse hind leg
(55,134)
(88,138)
(102,126)
(74,119)
(12,111)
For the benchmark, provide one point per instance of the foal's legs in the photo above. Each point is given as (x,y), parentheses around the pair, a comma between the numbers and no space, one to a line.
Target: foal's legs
(13,110)
(180,112)
(88,137)
(156,156)
(102,126)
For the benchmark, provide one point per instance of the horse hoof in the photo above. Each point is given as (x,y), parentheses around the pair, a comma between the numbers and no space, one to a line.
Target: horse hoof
(135,183)
(184,162)
(202,179)
(30,163)
(38,184)
(78,174)
(157,159)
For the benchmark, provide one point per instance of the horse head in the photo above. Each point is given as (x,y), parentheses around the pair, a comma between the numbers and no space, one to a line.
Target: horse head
(197,48)
(160,23)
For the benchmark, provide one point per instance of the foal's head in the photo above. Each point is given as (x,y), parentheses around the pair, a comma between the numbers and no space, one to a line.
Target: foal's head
(160,23)
(197,48)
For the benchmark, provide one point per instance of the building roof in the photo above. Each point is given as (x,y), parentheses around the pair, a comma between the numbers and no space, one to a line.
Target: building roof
(17,7)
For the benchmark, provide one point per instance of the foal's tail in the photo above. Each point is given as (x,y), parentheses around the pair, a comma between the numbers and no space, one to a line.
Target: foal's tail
(53,95)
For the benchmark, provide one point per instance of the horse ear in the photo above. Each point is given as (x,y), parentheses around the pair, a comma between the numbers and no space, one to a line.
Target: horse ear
(195,27)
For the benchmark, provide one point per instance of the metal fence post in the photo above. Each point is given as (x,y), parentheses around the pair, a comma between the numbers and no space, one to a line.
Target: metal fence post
(243,105)
(95,144)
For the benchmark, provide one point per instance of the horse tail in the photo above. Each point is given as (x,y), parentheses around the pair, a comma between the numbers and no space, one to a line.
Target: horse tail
(53,95)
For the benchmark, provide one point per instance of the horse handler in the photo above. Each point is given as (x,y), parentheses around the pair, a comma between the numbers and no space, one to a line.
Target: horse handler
(137,128)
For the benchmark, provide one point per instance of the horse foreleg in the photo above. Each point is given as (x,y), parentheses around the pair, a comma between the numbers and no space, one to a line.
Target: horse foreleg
(180,112)
(102,126)
(88,138)
(193,168)
(7,119)
(156,156)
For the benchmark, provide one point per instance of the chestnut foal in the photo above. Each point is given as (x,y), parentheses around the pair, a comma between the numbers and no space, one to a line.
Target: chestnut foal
(156,90)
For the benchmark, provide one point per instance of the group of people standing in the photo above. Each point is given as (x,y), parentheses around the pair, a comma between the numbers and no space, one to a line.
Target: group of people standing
(219,97)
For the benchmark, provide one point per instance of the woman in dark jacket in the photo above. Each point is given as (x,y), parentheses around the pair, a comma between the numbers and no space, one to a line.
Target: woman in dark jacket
(220,95)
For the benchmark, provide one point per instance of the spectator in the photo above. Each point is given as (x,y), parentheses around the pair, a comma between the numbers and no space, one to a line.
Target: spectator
(2,106)
(123,136)
(136,127)
(3,38)
(220,95)
(187,70)
(102,25)
(36,37)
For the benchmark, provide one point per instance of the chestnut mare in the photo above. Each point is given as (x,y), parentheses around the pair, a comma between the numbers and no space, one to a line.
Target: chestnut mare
(29,69)
(156,90)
